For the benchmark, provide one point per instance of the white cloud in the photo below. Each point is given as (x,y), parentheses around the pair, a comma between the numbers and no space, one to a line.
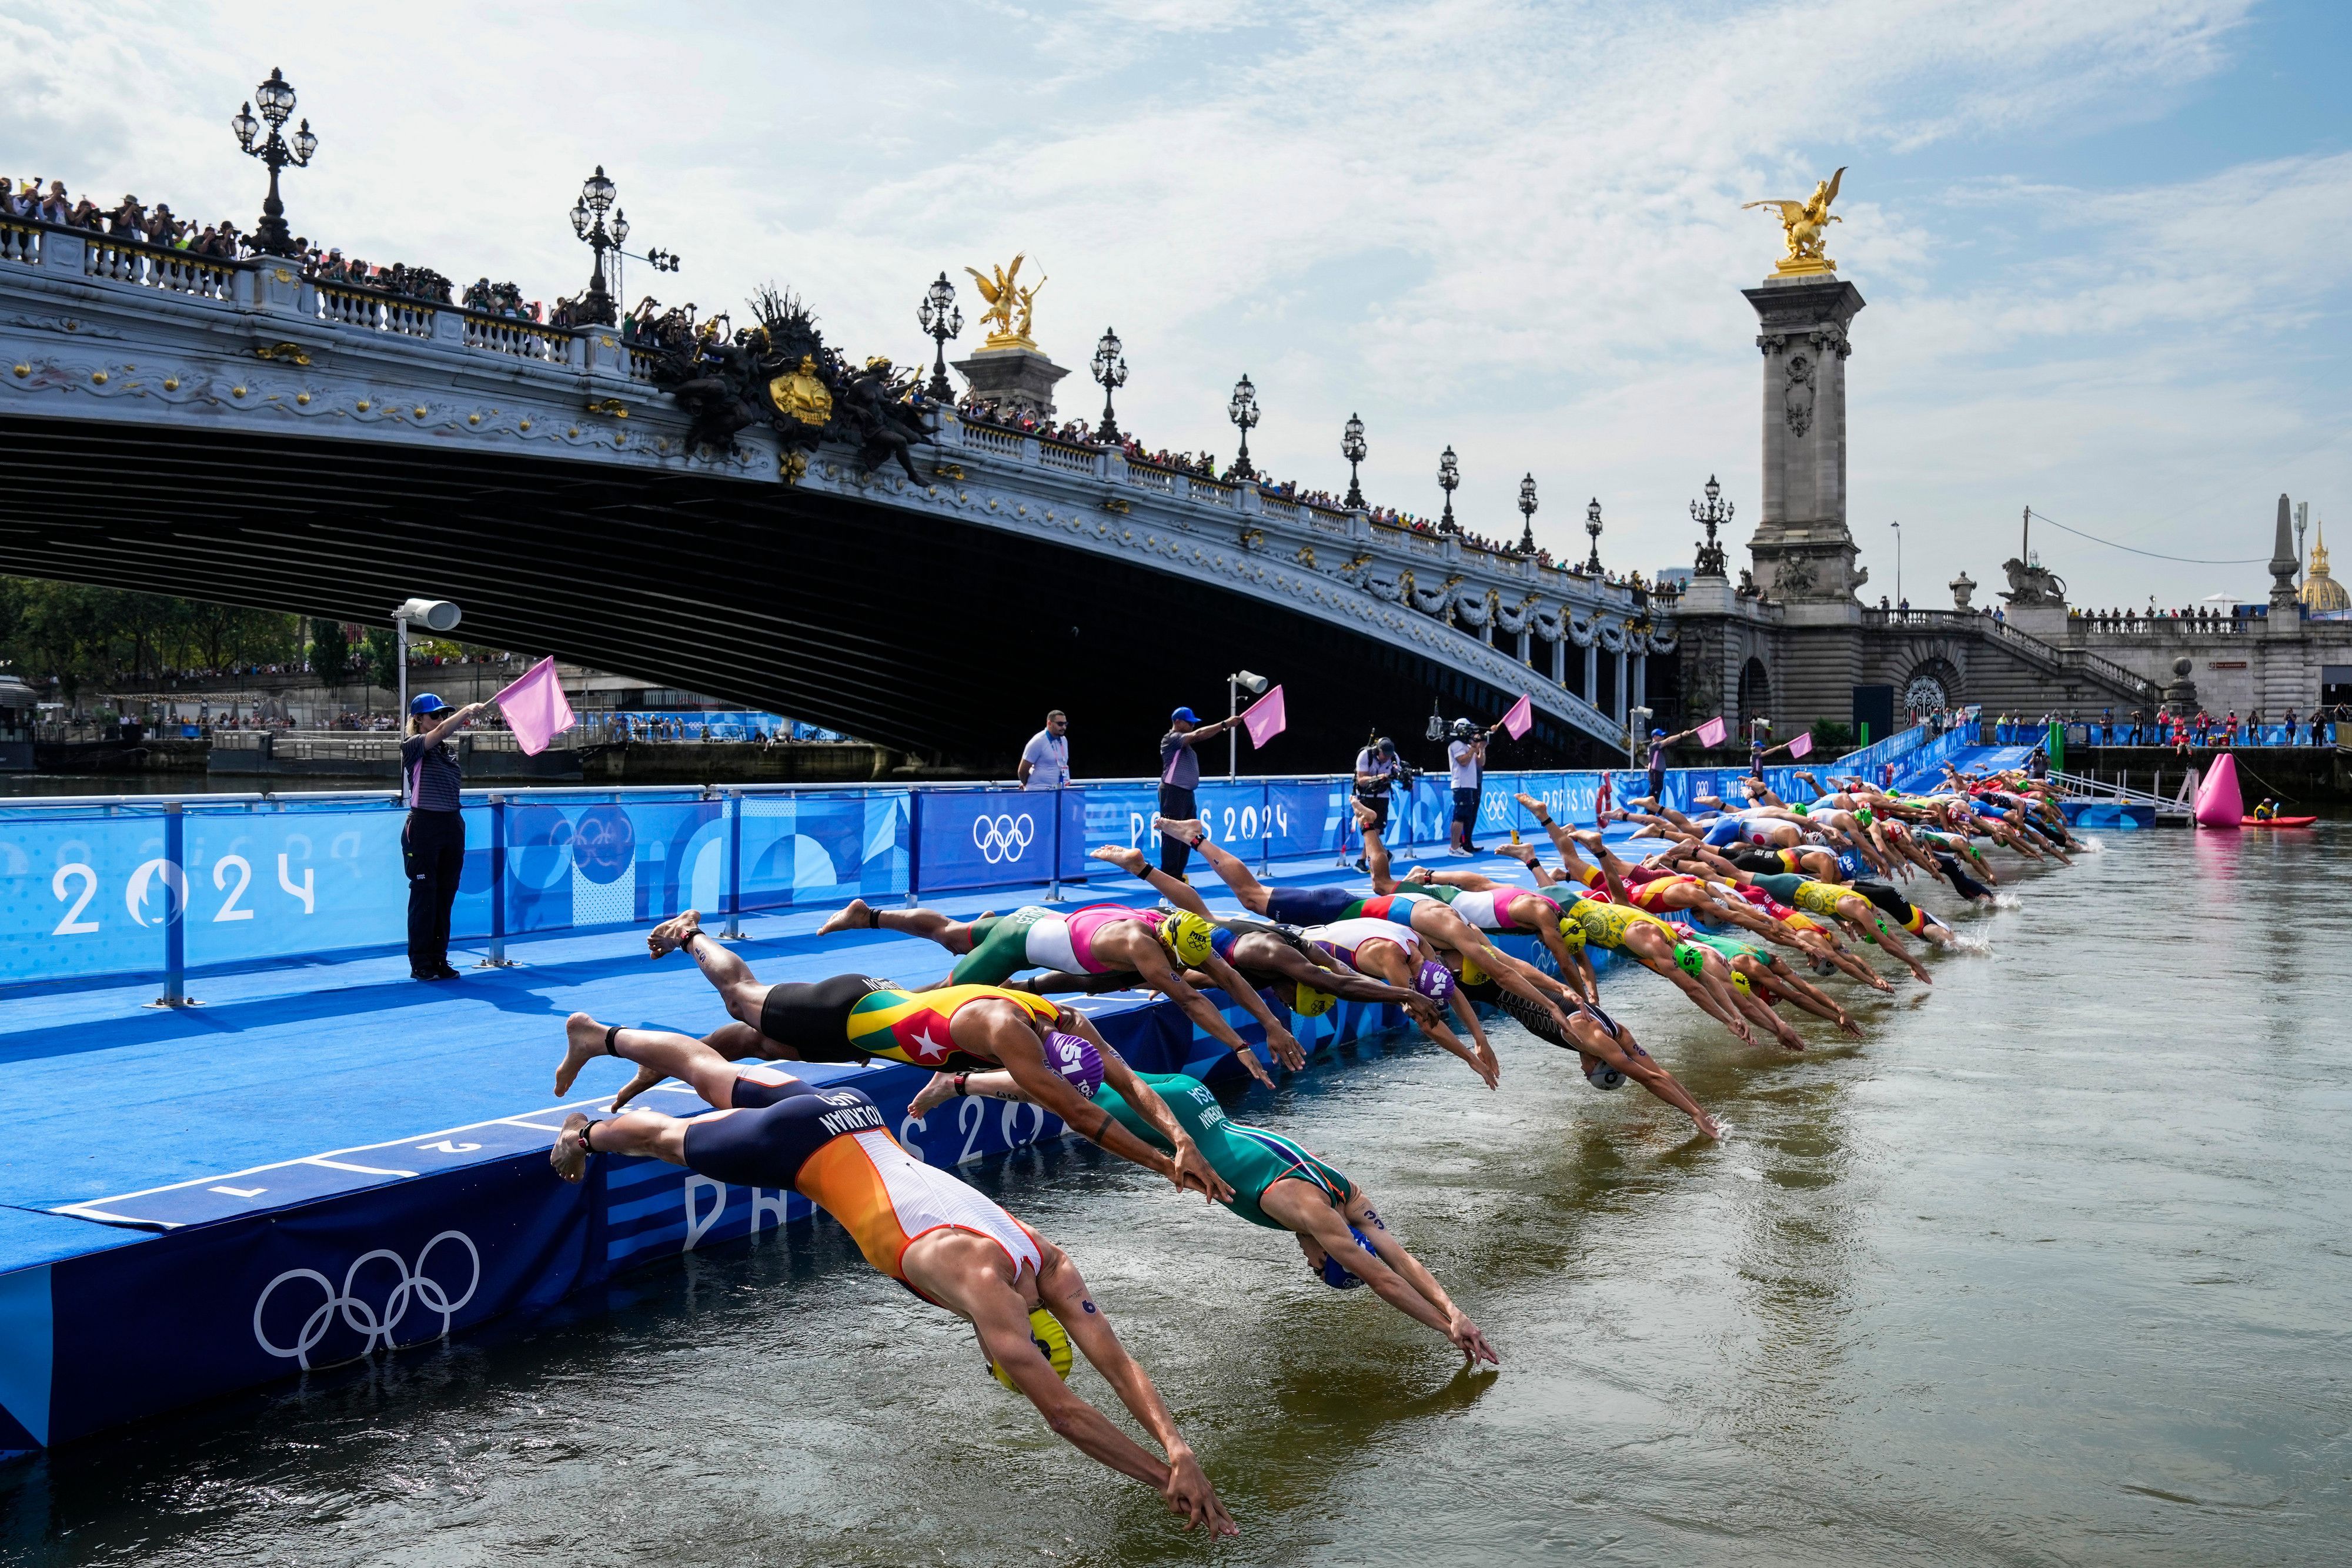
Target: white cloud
(1512,227)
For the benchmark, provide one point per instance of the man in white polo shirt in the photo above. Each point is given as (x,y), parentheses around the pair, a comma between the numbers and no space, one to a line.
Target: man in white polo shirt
(1046,760)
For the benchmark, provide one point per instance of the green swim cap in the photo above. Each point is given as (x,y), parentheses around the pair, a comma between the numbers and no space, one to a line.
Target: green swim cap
(1690,957)
(1800,809)
(1863,816)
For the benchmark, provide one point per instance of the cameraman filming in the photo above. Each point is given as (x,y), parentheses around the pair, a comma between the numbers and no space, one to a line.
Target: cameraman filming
(1377,768)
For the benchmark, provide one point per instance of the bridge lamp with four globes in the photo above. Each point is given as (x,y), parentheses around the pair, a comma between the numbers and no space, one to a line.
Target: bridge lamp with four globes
(1110,373)
(941,319)
(1898,561)
(276,97)
(597,193)
(1242,411)
(1527,512)
(434,615)
(1449,479)
(1592,527)
(1235,684)
(1352,448)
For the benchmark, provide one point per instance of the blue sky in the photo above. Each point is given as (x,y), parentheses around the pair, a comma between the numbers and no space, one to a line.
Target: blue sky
(2104,242)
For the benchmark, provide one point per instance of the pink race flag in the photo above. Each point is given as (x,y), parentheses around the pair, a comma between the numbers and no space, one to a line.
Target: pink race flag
(535,708)
(1264,718)
(1802,746)
(1521,718)
(1713,732)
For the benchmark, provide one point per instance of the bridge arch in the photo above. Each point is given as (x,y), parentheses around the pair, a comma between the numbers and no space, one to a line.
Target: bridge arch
(1933,684)
(1755,693)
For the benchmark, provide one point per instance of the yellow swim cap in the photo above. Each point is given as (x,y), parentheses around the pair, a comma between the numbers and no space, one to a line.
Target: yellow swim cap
(1053,1343)
(1472,974)
(1314,1004)
(1189,937)
(1571,932)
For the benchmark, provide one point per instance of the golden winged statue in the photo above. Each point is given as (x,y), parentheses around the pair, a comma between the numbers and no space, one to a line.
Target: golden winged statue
(1005,297)
(1807,225)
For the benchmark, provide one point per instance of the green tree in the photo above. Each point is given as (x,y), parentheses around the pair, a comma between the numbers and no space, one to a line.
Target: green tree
(330,651)
(384,657)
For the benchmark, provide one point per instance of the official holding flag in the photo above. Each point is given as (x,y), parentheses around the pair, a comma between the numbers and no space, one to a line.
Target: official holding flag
(433,842)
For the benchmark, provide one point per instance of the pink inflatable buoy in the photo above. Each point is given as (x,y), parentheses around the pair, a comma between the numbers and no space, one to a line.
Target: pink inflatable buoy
(2219,804)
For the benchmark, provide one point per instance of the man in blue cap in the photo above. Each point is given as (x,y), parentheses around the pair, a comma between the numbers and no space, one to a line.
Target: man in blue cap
(433,840)
(1180,775)
(1659,741)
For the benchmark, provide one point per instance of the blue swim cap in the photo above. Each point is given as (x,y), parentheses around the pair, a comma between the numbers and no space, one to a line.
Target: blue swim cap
(1337,1277)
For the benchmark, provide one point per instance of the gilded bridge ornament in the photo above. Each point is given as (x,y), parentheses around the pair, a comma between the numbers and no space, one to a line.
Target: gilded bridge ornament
(800,396)
(1012,309)
(1807,225)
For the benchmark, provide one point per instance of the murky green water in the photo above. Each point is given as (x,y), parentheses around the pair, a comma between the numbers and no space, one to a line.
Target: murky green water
(2053,1270)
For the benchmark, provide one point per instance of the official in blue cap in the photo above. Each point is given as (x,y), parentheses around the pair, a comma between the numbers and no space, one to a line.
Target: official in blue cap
(1180,775)
(433,842)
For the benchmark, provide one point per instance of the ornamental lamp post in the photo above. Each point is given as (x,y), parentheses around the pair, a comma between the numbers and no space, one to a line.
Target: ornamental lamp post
(1715,513)
(1449,478)
(588,222)
(1242,411)
(1528,511)
(1592,527)
(276,97)
(1110,373)
(1352,448)
(941,319)
(1898,562)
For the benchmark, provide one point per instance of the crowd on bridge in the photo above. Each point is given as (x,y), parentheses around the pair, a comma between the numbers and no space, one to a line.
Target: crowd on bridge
(129,219)
(2182,732)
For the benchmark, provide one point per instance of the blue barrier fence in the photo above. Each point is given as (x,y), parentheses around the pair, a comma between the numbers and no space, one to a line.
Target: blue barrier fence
(128,887)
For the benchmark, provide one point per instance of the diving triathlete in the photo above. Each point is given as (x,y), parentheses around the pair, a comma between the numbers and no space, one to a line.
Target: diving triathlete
(1100,938)
(1831,901)
(944,1242)
(1608,1053)
(1305,906)
(854,1018)
(1279,1186)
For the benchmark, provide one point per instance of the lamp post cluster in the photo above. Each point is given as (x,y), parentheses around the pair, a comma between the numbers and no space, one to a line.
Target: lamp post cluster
(276,97)
(1592,527)
(1715,513)
(1352,448)
(1449,478)
(596,196)
(1528,511)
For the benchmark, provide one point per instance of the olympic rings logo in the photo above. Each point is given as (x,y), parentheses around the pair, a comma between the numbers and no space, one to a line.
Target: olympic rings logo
(1001,839)
(374,1325)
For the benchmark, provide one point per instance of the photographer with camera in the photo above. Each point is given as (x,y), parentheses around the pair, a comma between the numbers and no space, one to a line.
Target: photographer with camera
(1378,766)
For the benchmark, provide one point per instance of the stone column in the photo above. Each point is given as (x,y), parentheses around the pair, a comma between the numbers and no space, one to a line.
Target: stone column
(1801,548)
(1641,663)
(1559,657)
(1593,673)
(1617,684)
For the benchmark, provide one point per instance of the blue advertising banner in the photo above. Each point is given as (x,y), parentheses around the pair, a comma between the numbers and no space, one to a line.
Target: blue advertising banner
(968,839)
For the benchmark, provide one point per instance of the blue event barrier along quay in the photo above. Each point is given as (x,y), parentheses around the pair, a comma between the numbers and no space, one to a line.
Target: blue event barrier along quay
(325,1160)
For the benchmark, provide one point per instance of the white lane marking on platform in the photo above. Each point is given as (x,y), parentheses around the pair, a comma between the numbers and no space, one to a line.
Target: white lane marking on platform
(343,1165)
(83,1211)
(241,1191)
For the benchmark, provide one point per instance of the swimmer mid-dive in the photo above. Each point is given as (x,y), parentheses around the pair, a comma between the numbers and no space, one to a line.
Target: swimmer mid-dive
(1100,938)
(1279,1186)
(920,1225)
(854,1018)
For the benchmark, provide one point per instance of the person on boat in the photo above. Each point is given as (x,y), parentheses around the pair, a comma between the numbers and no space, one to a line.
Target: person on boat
(1280,1185)
(945,1242)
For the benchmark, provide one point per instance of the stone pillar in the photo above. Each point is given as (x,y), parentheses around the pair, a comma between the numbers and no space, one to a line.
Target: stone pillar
(1641,679)
(1014,377)
(1593,673)
(1559,657)
(1617,686)
(1801,548)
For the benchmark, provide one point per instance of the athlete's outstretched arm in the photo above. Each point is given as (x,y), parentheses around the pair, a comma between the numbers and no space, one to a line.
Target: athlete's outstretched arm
(1016,1044)
(1279,1037)
(1061,982)
(1308,1213)
(1144,952)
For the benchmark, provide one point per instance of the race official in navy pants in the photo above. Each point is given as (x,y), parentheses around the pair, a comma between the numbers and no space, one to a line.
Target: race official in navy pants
(432,843)
(1180,775)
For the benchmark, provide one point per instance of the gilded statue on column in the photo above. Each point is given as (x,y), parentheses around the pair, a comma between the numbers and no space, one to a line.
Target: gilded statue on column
(1807,227)
(1011,311)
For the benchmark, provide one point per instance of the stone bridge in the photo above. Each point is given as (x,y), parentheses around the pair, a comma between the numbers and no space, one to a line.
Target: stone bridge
(234,431)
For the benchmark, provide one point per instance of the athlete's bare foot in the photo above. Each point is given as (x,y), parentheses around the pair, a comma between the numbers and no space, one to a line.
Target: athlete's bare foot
(1366,818)
(567,1158)
(583,1040)
(1535,808)
(1129,860)
(1523,853)
(673,934)
(932,1095)
(646,1079)
(858,915)
(1183,829)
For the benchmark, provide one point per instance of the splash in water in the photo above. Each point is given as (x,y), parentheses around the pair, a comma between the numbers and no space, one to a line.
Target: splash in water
(2090,846)
(2007,901)
(1974,946)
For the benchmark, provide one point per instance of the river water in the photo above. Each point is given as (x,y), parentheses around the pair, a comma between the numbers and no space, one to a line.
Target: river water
(2054,1269)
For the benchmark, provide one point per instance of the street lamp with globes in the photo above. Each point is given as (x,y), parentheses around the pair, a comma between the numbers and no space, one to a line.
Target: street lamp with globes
(941,319)
(597,193)
(1352,448)
(1528,511)
(1109,372)
(1449,479)
(1242,411)
(276,97)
